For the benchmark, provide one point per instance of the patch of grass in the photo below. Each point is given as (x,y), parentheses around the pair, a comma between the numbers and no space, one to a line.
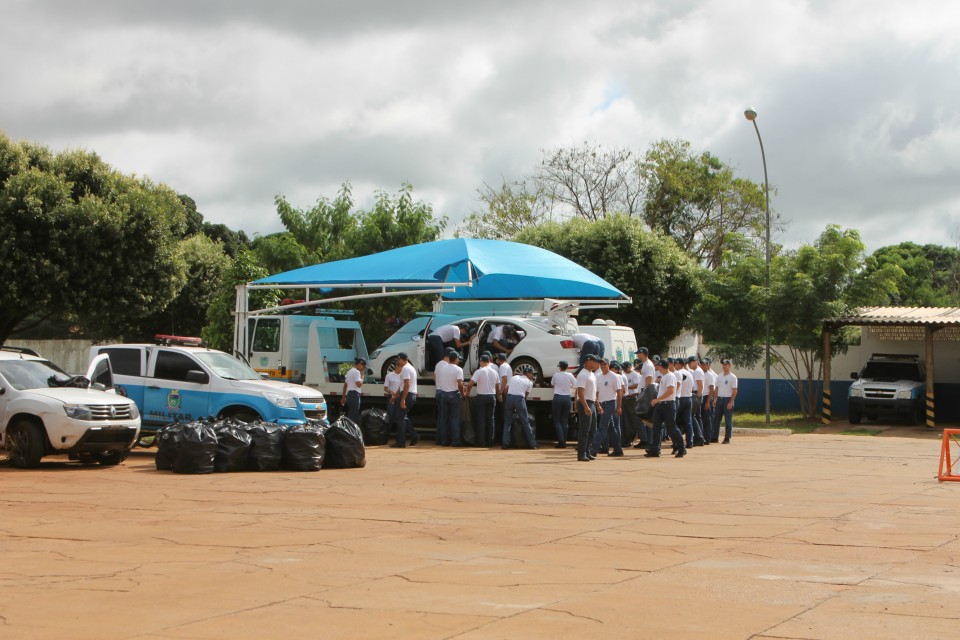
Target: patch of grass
(860,432)
(793,421)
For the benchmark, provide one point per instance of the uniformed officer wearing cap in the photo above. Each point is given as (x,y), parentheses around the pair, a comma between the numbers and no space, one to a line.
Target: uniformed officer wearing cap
(487,380)
(505,372)
(709,397)
(352,389)
(629,420)
(648,376)
(517,391)
(696,410)
(564,385)
(664,413)
(447,336)
(587,408)
(609,395)
(726,395)
(449,392)
(406,397)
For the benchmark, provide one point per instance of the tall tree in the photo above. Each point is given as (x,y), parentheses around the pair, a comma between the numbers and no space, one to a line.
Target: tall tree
(931,274)
(662,281)
(696,200)
(79,238)
(508,210)
(588,181)
(218,333)
(809,285)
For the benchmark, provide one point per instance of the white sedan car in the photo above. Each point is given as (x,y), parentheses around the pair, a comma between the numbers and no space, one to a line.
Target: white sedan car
(544,342)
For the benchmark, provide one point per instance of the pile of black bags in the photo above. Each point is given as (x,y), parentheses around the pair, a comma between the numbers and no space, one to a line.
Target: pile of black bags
(205,446)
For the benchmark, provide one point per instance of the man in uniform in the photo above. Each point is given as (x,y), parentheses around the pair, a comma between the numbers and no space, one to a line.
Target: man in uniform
(697,406)
(664,413)
(564,385)
(449,392)
(588,345)
(609,394)
(726,394)
(487,380)
(445,337)
(405,397)
(685,399)
(648,375)
(353,389)
(630,420)
(517,390)
(587,407)
(391,391)
(505,372)
(709,398)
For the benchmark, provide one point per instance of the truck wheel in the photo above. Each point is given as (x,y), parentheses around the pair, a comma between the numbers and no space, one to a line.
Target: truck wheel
(26,445)
(110,458)
(854,416)
(388,366)
(518,364)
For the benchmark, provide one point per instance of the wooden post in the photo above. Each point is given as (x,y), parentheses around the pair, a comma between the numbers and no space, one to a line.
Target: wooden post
(931,421)
(826,413)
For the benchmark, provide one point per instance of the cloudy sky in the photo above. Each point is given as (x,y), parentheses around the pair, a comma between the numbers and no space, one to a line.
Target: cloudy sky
(236,101)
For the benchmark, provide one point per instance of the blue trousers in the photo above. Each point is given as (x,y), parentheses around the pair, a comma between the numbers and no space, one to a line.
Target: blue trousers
(353,405)
(392,409)
(448,422)
(665,418)
(590,347)
(720,412)
(684,419)
(402,419)
(587,428)
(486,408)
(706,416)
(695,412)
(561,417)
(608,429)
(517,404)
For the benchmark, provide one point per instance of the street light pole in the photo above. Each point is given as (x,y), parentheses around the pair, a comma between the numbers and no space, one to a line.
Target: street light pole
(751,115)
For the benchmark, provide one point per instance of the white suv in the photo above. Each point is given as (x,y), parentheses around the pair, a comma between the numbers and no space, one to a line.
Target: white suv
(45,411)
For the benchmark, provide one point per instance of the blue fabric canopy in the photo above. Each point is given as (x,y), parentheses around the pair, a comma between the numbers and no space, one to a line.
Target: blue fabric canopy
(500,270)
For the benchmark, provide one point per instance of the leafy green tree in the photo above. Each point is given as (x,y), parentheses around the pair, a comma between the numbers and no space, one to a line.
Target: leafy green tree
(696,200)
(662,281)
(931,274)
(218,333)
(809,285)
(206,264)
(324,229)
(279,252)
(79,239)
(509,210)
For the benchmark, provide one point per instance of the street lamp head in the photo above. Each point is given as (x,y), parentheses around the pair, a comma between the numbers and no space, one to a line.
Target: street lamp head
(750,115)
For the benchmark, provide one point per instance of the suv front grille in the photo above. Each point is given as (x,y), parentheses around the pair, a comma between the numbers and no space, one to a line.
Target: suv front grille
(881,394)
(311,400)
(110,411)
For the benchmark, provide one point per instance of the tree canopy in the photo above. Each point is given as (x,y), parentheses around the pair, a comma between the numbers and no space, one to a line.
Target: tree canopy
(78,238)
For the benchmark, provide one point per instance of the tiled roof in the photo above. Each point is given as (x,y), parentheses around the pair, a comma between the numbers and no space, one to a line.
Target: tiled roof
(915,316)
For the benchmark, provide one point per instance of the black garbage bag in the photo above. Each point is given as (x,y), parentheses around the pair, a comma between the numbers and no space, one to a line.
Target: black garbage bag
(266,445)
(344,445)
(168,440)
(374,427)
(644,410)
(233,447)
(196,448)
(518,440)
(304,446)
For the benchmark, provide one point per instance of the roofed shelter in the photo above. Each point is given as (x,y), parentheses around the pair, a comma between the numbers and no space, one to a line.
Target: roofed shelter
(920,323)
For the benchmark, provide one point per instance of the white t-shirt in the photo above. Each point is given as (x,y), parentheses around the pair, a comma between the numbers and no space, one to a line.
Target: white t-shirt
(726,383)
(607,386)
(408,372)
(443,364)
(352,378)
(580,338)
(447,333)
(667,382)
(519,385)
(448,377)
(392,382)
(686,382)
(587,381)
(709,379)
(505,371)
(698,377)
(563,383)
(647,370)
(487,380)
(633,378)
(496,333)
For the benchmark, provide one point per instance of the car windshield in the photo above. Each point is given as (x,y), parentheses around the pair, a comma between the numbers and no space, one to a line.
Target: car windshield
(891,371)
(226,366)
(407,331)
(32,374)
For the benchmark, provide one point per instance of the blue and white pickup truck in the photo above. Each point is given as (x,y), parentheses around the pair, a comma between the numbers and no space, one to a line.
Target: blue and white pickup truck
(179,383)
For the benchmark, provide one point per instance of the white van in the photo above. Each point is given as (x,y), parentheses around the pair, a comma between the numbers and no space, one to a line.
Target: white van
(620,342)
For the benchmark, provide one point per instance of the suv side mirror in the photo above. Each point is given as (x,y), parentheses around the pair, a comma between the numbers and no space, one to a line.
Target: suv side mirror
(198,377)
(854,375)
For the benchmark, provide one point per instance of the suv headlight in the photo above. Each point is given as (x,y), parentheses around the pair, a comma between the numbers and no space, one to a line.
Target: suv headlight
(78,411)
(905,394)
(280,399)
(375,354)
(134,412)
(856,392)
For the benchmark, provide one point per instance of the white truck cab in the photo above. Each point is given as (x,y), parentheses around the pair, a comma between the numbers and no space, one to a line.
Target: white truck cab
(175,382)
(45,411)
